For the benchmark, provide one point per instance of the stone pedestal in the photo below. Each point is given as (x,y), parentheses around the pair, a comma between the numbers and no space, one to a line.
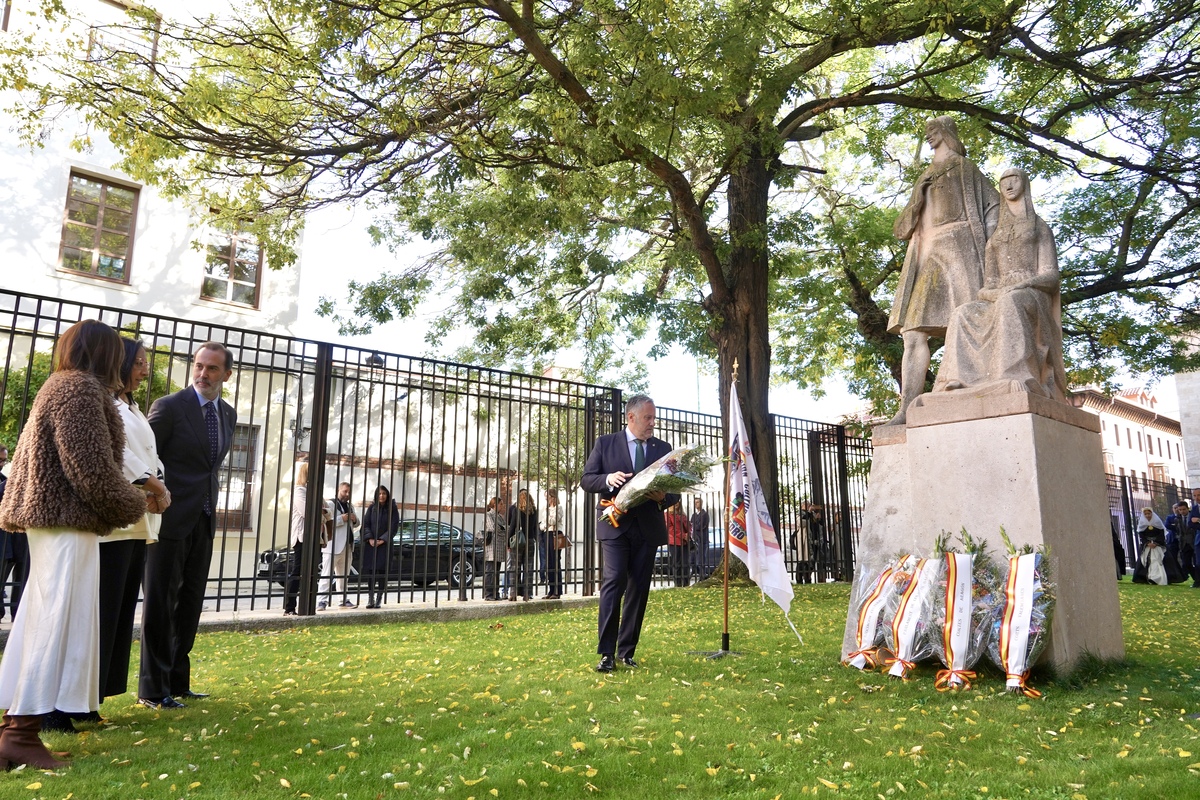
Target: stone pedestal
(1018,460)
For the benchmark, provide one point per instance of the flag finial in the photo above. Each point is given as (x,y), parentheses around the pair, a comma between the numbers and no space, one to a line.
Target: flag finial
(735,370)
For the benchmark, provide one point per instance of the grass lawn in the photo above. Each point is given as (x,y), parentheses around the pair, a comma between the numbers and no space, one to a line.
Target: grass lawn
(511,707)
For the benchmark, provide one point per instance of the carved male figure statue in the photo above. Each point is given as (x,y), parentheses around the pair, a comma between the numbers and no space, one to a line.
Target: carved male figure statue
(948,219)
(1010,339)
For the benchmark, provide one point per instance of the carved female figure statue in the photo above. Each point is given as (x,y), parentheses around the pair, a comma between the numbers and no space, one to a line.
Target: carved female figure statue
(1010,339)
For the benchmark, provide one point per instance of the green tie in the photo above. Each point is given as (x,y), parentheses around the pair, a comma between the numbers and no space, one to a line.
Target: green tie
(639,457)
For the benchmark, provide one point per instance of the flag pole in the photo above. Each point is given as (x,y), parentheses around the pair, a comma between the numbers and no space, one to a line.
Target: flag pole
(728,518)
(725,651)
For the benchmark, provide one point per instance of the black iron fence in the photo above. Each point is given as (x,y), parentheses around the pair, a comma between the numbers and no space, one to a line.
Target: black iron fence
(445,439)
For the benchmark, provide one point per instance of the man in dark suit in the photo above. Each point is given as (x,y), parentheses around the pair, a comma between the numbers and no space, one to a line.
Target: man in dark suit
(1193,518)
(628,548)
(194,430)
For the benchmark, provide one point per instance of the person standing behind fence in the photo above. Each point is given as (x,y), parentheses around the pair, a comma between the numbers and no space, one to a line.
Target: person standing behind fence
(818,541)
(193,429)
(495,548)
(66,490)
(552,533)
(14,554)
(338,551)
(381,521)
(700,545)
(678,537)
(522,528)
(1178,530)
(1194,527)
(291,590)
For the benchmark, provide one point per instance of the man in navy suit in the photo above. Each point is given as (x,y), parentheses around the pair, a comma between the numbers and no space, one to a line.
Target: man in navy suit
(193,429)
(628,548)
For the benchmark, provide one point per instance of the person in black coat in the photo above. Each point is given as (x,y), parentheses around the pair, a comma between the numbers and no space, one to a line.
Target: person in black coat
(380,521)
(522,538)
(194,430)
(628,547)
(14,553)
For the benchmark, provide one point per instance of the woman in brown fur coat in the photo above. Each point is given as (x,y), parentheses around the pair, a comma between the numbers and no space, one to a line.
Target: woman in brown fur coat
(66,490)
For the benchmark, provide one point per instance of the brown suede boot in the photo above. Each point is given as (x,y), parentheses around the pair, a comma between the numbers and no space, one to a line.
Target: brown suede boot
(20,744)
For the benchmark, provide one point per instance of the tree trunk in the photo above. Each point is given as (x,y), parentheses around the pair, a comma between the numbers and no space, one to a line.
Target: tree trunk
(742,332)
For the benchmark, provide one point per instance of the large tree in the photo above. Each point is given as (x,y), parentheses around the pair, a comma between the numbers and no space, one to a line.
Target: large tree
(716,173)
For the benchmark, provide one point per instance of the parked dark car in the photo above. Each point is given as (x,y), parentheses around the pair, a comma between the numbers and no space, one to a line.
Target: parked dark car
(422,552)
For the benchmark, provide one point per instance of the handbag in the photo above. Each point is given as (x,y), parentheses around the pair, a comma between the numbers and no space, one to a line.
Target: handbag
(561,542)
(326,533)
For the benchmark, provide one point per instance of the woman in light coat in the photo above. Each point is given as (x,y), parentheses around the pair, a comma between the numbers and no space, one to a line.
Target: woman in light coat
(495,548)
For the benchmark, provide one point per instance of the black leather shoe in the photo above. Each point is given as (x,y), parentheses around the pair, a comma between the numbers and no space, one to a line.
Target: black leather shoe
(629,662)
(190,695)
(606,664)
(166,702)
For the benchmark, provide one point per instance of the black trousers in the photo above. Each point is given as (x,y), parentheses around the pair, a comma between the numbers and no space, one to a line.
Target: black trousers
(376,587)
(17,566)
(122,565)
(292,589)
(175,579)
(628,568)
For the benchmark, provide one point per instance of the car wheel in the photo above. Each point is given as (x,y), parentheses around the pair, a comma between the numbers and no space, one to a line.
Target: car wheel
(462,572)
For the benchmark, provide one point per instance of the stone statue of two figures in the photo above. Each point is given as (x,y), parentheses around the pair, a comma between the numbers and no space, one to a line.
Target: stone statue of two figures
(981,271)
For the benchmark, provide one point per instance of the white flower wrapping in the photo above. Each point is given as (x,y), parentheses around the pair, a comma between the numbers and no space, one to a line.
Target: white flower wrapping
(683,468)
(907,615)
(963,614)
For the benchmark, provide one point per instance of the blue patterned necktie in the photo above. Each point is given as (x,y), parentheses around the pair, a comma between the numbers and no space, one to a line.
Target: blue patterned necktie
(639,457)
(210,422)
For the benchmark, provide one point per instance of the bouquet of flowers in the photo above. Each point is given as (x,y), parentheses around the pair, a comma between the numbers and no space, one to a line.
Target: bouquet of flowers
(872,588)
(964,606)
(1020,630)
(683,468)
(907,615)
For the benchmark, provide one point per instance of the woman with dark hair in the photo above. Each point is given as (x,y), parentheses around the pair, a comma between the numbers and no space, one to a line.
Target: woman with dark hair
(380,522)
(522,528)
(495,548)
(66,490)
(553,536)
(123,552)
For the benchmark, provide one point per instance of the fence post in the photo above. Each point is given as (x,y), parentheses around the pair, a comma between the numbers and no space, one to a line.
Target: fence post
(310,558)
(1130,524)
(846,568)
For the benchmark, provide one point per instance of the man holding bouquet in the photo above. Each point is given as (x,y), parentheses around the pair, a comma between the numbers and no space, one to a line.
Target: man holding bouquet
(629,540)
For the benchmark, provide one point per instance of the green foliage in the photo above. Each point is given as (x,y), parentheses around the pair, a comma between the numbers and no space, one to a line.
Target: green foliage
(717,175)
(20,387)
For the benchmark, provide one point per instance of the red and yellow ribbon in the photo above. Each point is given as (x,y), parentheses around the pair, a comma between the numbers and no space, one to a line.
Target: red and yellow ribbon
(905,666)
(944,678)
(612,511)
(1021,686)
(870,655)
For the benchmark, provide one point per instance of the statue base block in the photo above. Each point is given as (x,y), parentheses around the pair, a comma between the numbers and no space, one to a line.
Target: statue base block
(1020,461)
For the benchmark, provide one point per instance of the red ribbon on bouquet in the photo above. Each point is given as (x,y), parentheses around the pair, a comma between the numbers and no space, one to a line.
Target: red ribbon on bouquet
(944,676)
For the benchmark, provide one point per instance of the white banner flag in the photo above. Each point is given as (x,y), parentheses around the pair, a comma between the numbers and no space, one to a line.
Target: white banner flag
(752,537)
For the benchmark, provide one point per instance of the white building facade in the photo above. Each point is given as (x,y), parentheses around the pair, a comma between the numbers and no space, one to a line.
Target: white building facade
(1137,440)
(74,227)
